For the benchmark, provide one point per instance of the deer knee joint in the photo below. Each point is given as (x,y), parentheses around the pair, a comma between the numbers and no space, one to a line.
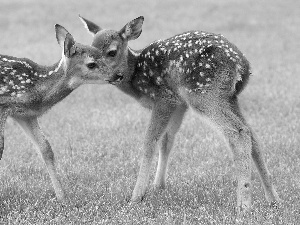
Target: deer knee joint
(247,185)
(244,134)
(244,131)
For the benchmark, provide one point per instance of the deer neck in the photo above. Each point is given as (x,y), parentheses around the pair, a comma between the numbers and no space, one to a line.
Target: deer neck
(53,85)
(127,86)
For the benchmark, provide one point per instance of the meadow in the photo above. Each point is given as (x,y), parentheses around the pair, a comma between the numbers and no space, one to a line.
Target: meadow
(97,131)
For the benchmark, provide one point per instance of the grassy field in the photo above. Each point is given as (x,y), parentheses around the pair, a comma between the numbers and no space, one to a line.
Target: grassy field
(96,131)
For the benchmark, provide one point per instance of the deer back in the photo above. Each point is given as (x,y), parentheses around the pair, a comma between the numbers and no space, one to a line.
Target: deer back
(196,61)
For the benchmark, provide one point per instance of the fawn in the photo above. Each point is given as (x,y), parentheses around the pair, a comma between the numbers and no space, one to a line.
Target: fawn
(28,90)
(197,69)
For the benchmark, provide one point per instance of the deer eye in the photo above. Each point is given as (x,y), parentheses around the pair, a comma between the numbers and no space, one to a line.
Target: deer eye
(112,53)
(92,65)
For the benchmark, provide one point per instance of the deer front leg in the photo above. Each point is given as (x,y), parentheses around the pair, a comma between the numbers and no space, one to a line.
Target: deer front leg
(159,120)
(33,130)
(3,117)
(166,146)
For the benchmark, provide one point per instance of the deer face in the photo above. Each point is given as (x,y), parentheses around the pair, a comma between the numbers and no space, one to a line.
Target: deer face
(82,63)
(114,46)
(114,50)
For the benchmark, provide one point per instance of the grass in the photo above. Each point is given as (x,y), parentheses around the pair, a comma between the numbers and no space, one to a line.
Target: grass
(96,131)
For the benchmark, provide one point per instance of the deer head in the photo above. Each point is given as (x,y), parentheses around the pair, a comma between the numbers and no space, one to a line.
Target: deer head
(114,46)
(81,63)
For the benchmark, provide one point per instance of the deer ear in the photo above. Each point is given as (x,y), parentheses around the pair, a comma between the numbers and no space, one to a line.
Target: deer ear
(69,46)
(90,26)
(133,29)
(65,40)
(61,34)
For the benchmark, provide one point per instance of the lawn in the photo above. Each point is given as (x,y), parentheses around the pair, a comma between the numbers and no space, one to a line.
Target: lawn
(96,132)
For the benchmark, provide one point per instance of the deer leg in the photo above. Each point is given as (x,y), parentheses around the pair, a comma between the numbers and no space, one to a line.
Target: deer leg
(166,146)
(270,192)
(33,130)
(225,115)
(239,138)
(160,117)
(265,176)
(3,117)
(240,142)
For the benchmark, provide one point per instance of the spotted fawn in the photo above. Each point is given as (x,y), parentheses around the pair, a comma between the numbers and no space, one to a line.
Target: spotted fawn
(28,90)
(197,69)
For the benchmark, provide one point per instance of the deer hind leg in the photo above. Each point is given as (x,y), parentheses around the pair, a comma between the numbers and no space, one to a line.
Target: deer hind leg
(238,135)
(33,130)
(270,192)
(4,113)
(161,114)
(265,176)
(166,146)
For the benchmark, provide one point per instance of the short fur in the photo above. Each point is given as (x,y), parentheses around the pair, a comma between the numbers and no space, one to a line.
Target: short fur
(28,90)
(194,69)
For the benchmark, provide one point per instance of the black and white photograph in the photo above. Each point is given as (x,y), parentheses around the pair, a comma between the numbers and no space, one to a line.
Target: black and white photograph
(150,112)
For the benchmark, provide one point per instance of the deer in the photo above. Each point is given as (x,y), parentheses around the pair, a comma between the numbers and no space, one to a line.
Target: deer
(194,69)
(28,90)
